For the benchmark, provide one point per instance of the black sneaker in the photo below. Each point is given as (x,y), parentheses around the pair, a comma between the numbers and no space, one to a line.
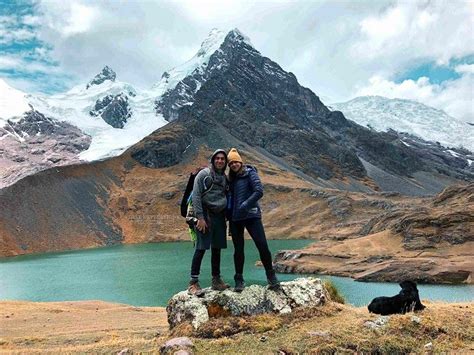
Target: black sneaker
(239,283)
(273,283)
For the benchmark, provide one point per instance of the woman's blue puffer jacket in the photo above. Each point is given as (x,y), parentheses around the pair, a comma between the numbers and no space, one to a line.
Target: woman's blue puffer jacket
(245,191)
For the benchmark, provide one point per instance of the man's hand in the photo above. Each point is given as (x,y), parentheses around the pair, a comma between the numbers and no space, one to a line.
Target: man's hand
(201,225)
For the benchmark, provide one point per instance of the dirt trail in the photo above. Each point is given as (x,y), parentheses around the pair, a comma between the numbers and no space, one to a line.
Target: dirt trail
(78,326)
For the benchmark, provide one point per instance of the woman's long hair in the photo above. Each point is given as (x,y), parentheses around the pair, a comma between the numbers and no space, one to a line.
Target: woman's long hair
(233,175)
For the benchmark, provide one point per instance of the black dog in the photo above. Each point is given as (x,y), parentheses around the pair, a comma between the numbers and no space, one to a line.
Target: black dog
(406,301)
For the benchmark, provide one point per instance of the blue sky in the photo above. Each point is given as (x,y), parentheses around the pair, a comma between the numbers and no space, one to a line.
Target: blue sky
(437,73)
(419,50)
(26,58)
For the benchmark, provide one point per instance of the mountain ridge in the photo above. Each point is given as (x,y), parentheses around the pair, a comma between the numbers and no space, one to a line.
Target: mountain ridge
(402,115)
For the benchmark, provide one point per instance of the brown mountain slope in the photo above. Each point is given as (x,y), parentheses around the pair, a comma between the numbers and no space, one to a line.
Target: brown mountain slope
(104,203)
(371,236)
(427,240)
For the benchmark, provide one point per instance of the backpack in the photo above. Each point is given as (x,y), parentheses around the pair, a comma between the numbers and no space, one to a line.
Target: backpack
(187,196)
(187,209)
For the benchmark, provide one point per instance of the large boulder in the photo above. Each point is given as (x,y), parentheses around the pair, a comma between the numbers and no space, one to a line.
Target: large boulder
(255,299)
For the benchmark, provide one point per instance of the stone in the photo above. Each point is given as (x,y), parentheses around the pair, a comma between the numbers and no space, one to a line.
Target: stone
(168,195)
(416,319)
(177,344)
(182,352)
(319,333)
(253,300)
(380,322)
(125,351)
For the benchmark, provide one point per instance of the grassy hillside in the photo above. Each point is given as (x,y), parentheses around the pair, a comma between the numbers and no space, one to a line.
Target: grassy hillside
(99,327)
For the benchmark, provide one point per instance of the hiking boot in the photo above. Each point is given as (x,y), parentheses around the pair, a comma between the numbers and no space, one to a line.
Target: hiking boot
(195,289)
(218,284)
(239,283)
(273,283)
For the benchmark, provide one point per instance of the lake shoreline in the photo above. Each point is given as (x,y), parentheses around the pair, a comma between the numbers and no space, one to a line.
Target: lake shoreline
(149,274)
(381,257)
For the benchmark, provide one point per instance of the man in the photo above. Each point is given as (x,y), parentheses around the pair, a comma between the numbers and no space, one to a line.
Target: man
(209,203)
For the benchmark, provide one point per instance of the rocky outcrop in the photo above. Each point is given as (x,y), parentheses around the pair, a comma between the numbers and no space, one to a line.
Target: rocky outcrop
(115,110)
(105,74)
(164,148)
(36,142)
(427,241)
(255,299)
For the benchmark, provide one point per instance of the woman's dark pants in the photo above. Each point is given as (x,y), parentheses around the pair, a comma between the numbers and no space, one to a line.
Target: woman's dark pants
(255,228)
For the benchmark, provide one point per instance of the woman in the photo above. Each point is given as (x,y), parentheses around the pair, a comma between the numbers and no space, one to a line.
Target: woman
(244,213)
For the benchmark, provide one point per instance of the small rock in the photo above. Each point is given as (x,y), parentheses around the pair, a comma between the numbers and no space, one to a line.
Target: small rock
(263,338)
(182,352)
(168,195)
(428,346)
(416,319)
(124,352)
(380,322)
(175,344)
(324,334)
(54,158)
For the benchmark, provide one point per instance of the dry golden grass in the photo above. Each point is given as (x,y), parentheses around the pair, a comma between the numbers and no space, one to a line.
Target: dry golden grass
(65,327)
(340,329)
(100,327)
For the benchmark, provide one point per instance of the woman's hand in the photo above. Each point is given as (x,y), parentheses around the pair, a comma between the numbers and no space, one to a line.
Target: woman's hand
(201,225)
(244,206)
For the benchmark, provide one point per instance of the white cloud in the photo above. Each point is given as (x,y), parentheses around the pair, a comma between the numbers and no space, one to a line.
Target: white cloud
(465,69)
(414,30)
(333,47)
(455,97)
(20,64)
(31,20)
(13,29)
(9,62)
(8,35)
(69,18)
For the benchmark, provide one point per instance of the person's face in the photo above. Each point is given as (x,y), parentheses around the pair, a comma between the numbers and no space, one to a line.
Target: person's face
(219,161)
(235,166)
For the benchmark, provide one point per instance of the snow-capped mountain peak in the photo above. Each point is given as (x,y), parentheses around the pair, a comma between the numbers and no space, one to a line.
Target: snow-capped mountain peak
(236,35)
(381,113)
(172,77)
(106,74)
(213,40)
(199,62)
(13,102)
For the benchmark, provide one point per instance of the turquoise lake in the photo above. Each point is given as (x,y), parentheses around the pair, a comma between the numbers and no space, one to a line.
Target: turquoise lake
(149,274)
